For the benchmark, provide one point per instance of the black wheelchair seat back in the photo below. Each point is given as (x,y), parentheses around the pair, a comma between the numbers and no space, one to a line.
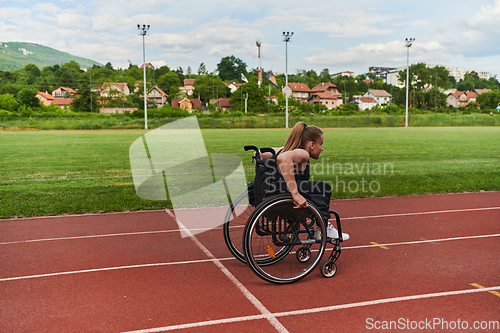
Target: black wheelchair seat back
(266,174)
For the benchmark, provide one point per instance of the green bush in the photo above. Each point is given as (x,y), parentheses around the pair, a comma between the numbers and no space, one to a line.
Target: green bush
(5,114)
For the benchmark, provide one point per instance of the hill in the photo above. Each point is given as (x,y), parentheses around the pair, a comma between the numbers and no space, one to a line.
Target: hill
(16,55)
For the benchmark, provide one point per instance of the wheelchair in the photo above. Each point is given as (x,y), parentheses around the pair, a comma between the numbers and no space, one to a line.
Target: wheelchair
(281,244)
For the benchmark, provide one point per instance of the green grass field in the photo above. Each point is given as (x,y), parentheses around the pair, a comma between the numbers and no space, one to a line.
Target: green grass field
(74,172)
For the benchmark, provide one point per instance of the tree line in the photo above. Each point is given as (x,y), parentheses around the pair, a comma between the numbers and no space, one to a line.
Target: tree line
(18,88)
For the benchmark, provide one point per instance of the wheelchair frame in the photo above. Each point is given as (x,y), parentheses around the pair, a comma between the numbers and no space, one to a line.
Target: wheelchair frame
(281,244)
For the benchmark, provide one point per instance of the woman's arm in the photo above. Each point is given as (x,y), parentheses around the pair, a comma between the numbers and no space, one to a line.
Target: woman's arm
(288,162)
(266,156)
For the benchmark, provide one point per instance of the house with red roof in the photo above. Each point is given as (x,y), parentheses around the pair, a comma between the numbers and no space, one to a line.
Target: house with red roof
(329,100)
(188,86)
(186,104)
(47,99)
(327,87)
(363,102)
(150,65)
(461,98)
(381,96)
(224,104)
(298,90)
(63,92)
(158,96)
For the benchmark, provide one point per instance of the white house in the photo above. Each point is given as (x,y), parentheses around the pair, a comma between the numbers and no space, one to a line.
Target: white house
(381,96)
(364,103)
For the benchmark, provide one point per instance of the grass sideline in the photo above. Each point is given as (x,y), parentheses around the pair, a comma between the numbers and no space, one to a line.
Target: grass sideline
(76,172)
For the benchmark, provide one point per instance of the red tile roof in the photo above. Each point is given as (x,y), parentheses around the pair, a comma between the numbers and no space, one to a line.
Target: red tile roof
(302,87)
(159,90)
(45,95)
(324,86)
(150,65)
(224,103)
(62,101)
(189,82)
(368,100)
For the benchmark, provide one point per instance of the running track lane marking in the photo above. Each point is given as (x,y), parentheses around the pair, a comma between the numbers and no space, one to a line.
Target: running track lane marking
(496,293)
(315,310)
(420,213)
(138,233)
(265,312)
(209,260)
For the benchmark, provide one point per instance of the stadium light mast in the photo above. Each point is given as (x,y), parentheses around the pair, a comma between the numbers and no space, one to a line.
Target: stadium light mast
(409,42)
(286,39)
(258,43)
(143,31)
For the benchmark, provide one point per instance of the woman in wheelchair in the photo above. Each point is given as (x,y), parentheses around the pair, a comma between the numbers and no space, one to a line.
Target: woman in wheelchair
(304,142)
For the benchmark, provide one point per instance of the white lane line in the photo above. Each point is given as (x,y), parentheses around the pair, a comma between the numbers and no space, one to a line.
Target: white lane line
(420,213)
(225,259)
(263,310)
(108,269)
(314,310)
(90,236)
(101,235)
(421,241)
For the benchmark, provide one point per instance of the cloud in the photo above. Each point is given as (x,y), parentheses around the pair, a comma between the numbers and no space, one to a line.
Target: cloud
(474,36)
(376,54)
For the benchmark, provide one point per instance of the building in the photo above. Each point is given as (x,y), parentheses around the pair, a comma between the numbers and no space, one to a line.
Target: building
(381,96)
(329,100)
(272,99)
(148,65)
(327,87)
(457,72)
(381,72)
(233,86)
(186,104)
(224,104)
(298,90)
(461,98)
(112,89)
(158,96)
(364,103)
(47,99)
(63,92)
(344,73)
(188,86)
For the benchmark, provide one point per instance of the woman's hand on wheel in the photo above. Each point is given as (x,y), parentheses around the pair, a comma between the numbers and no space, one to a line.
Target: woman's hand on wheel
(300,201)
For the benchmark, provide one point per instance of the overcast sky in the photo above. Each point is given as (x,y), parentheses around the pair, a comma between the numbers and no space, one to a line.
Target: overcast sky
(338,35)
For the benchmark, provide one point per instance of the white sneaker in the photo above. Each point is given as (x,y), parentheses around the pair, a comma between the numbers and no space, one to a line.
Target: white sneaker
(331,232)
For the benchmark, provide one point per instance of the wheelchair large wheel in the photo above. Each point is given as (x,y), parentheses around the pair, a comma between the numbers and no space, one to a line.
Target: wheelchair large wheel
(275,232)
(234,224)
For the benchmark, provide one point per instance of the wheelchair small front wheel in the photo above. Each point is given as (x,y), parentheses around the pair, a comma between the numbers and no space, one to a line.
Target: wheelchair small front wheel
(303,254)
(328,269)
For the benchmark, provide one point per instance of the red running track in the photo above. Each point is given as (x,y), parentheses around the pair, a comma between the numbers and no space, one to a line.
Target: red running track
(419,262)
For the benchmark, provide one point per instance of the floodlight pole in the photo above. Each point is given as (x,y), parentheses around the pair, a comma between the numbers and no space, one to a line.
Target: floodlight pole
(286,39)
(409,41)
(143,31)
